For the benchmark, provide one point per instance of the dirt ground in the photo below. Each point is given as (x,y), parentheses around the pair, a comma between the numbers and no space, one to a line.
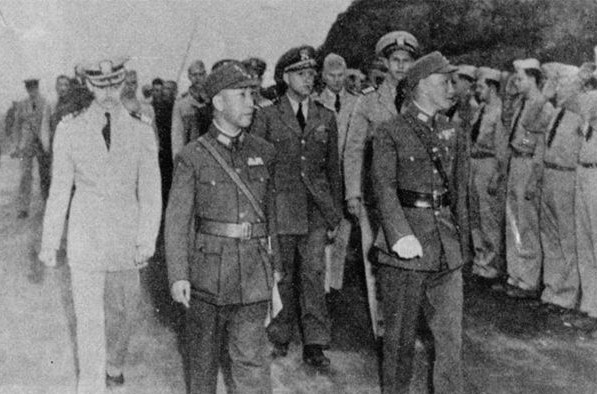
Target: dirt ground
(509,346)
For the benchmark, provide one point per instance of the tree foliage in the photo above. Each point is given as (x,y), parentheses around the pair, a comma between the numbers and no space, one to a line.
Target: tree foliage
(481,32)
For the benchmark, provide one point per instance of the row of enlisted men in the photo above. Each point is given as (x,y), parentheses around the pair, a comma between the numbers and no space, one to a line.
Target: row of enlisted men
(532,172)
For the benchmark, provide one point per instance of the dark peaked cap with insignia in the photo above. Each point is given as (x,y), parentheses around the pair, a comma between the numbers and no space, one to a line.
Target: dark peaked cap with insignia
(433,63)
(107,72)
(296,59)
(232,75)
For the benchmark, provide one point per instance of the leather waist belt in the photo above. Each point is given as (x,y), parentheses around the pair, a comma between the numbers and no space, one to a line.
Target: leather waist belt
(411,199)
(232,230)
(557,167)
(517,153)
(588,165)
(482,155)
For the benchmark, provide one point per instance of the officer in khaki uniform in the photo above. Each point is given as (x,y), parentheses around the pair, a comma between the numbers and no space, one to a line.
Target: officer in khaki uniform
(225,276)
(27,127)
(191,115)
(110,156)
(417,178)
(336,98)
(489,141)
(557,176)
(398,50)
(531,118)
(308,202)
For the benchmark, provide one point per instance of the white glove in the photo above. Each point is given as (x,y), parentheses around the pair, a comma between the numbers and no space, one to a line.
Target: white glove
(408,247)
(48,257)
(181,292)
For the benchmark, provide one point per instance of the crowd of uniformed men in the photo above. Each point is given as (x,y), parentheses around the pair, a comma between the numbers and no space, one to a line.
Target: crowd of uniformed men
(436,166)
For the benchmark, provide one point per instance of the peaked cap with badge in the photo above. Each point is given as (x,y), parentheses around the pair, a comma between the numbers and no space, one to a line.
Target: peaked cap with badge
(107,72)
(396,40)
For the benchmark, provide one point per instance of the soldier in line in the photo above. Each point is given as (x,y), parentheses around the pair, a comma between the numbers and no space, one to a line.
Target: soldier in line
(524,255)
(308,202)
(225,278)
(27,126)
(398,50)
(110,156)
(57,110)
(556,168)
(489,144)
(416,178)
(191,116)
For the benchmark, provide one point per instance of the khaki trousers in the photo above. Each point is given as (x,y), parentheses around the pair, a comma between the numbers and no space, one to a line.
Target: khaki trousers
(586,223)
(558,237)
(523,244)
(487,218)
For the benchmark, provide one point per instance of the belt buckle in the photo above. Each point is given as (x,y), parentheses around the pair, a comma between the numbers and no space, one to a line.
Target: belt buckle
(246,230)
(436,200)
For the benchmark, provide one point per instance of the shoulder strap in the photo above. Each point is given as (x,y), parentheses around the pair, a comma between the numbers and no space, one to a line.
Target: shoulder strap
(427,144)
(234,176)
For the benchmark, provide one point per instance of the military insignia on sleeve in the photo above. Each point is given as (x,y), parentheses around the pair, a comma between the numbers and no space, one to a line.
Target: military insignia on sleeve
(368,90)
(447,134)
(255,161)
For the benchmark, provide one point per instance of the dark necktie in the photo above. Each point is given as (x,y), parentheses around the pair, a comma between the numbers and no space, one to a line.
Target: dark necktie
(337,104)
(300,117)
(515,124)
(399,99)
(589,133)
(477,126)
(554,128)
(33,105)
(106,131)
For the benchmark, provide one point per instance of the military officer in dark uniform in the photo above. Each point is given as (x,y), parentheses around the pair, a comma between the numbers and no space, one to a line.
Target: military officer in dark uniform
(416,179)
(225,276)
(308,201)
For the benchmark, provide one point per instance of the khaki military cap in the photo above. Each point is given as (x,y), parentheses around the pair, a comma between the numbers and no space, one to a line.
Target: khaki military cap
(232,75)
(527,64)
(433,63)
(489,73)
(467,71)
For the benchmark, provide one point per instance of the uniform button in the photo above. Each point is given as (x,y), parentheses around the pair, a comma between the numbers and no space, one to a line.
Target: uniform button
(302,174)
(412,158)
(261,179)
(213,183)
(242,214)
(237,170)
(303,158)
(303,142)
(436,213)
(435,171)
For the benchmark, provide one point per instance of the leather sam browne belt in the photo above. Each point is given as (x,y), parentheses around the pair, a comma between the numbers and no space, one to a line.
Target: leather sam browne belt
(557,167)
(232,230)
(411,199)
(588,165)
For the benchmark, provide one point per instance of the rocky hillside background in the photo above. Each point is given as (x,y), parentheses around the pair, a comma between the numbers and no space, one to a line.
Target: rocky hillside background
(480,32)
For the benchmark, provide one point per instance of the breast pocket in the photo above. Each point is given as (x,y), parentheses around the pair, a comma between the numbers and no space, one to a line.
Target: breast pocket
(259,178)
(214,185)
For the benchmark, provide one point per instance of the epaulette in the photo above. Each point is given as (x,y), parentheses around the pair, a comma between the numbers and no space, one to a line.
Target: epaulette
(369,90)
(141,117)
